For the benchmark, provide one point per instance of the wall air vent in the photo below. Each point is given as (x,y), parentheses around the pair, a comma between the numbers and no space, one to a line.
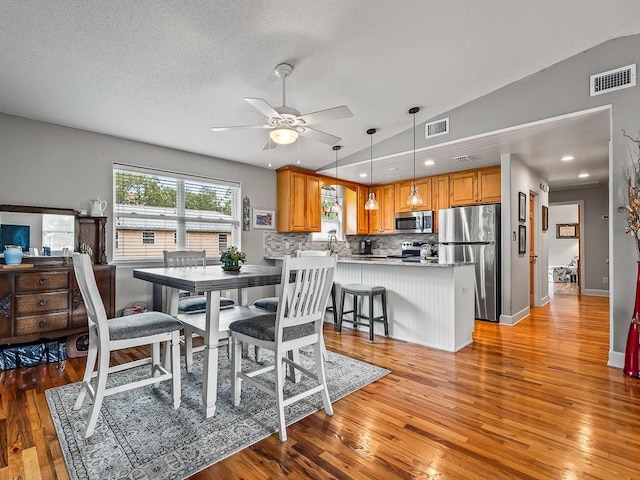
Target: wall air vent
(463,159)
(439,127)
(617,79)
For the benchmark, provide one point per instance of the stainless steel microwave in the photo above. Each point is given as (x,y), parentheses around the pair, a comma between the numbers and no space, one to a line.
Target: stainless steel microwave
(414,222)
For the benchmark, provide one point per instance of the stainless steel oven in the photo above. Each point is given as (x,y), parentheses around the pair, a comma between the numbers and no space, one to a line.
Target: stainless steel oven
(414,222)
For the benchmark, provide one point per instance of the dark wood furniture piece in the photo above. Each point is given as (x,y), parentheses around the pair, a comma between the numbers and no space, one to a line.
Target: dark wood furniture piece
(40,297)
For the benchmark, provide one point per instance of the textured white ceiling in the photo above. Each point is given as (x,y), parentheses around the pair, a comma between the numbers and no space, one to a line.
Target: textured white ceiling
(164,72)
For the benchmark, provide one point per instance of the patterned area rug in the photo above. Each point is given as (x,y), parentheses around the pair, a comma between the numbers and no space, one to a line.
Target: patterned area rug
(140,436)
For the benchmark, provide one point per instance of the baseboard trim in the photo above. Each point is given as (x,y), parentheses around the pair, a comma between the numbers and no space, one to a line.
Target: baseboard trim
(616,359)
(544,300)
(596,293)
(514,319)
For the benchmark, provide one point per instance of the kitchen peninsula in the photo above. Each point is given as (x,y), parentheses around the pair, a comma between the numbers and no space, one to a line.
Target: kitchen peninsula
(429,303)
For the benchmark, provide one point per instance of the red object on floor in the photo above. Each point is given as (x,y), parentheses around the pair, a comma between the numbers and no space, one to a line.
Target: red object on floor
(632,353)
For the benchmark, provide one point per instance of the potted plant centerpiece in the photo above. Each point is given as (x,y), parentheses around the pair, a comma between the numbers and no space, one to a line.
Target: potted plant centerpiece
(231,259)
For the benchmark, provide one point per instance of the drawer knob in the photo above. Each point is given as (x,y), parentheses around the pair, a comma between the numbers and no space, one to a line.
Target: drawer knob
(42,281)
(43,303)
(42,324)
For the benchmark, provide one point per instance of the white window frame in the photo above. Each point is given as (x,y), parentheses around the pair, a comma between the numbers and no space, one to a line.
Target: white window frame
(181,217)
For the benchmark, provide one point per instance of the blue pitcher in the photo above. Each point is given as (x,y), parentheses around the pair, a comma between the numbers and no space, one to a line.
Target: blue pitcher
(13,255)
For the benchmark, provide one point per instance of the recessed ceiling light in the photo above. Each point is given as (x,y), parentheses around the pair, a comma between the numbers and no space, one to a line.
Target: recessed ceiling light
(567,158)
(583,175)
(363,175)
(428,163)
(392,169)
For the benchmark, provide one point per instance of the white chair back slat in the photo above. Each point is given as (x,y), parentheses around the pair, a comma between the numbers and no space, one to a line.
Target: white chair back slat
(185,258)
(86,280)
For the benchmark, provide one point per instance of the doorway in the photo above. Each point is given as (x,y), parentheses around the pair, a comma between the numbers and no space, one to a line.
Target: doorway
(564,248)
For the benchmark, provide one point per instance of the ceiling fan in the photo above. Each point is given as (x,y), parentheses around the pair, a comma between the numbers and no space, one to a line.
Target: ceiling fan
(286,123)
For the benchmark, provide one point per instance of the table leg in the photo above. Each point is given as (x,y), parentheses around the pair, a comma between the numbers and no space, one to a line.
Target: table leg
(210,380)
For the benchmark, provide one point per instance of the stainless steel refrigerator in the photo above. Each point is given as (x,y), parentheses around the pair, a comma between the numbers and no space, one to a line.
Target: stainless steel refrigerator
(472,234)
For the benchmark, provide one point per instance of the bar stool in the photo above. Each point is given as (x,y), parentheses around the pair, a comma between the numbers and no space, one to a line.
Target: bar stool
(358,291)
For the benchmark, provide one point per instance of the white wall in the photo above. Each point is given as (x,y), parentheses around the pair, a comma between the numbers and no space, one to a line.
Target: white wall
(562,250)
(50,165)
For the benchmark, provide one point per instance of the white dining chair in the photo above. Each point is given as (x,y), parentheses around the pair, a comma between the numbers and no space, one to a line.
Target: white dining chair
(297,323)
(106,336)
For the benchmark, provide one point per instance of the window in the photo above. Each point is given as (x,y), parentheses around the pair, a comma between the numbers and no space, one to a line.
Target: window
(156,210)
(148,238)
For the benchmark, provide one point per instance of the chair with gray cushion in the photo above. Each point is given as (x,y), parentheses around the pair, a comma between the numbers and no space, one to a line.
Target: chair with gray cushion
(191,305)
(360,294)
(297,323)
(105,336)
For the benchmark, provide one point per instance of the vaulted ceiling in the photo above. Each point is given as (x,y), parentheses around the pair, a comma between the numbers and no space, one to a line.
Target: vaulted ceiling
(164,72)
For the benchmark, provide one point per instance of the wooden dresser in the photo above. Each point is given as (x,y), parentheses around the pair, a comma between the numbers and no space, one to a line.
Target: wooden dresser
(44,301)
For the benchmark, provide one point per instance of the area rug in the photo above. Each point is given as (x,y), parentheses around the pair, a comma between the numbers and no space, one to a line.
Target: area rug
(139,435)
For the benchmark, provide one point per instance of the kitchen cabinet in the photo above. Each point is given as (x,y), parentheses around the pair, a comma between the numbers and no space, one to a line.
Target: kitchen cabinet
(298,201)
(439,197)
(473,187)
(355,217)
(382,220)
(404,189)
(44,301)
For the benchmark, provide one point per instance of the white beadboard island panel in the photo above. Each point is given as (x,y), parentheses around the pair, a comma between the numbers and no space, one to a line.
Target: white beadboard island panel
(431,305)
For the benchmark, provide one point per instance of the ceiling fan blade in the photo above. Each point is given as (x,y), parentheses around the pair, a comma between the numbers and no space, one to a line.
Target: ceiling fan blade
(269,145)
(262,106)
(328,115)
(222,129)
(319,136)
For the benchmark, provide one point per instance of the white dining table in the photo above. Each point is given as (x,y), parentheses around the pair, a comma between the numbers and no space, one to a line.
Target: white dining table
(210,280)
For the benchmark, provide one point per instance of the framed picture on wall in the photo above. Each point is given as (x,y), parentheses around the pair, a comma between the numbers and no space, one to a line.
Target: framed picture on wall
(567,230)
(522,207)
(522,239)
(545,218)
(264,218)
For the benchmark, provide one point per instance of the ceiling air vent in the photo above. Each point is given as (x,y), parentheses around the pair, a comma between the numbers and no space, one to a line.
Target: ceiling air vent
(439,127)
(463,158)
(617,79)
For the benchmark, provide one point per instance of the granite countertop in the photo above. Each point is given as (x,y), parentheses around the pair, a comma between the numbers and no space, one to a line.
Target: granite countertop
(382,260)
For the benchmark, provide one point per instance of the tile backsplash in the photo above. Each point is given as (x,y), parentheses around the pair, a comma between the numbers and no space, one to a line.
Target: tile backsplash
(278,244)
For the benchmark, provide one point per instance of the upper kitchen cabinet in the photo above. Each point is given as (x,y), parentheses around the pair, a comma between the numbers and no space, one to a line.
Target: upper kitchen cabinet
(356,218)
(403,190)
(474,187)
(298,201)
(439,197)
(381,220)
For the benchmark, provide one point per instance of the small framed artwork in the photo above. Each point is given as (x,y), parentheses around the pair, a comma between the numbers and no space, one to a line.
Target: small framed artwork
(567,230)
(545,218)
(264,218)
(522,239)
(522,207)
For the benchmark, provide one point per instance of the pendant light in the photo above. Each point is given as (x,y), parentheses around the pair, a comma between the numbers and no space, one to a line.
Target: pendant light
(371,203)
(414,199)
(336,208)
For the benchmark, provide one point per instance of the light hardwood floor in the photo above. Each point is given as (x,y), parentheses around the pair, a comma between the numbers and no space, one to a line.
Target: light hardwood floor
(534,401)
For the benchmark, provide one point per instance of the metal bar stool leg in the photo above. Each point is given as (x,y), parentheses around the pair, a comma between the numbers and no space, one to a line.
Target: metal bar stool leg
(385,317)
(371,316)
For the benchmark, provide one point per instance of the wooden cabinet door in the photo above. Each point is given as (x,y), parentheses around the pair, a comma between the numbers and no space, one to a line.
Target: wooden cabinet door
(463,188)
(363,215)
(489,185)
(387,208)
(439,197)
(404,189)
(298,202)
(313,200)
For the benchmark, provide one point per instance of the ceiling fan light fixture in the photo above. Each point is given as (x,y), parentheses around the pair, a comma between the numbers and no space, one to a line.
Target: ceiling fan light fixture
(283,135)
(414,200)
(371,204)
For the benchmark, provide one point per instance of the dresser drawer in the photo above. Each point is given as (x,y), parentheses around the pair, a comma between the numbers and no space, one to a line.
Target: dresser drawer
(34,324)
(39,281)
(42,302)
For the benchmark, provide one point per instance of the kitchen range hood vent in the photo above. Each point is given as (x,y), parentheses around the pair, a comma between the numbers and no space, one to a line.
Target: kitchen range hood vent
(616,79)
(439,127)
(463,158)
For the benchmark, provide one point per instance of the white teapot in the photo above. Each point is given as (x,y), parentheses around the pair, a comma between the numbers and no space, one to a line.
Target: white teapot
(97,207)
